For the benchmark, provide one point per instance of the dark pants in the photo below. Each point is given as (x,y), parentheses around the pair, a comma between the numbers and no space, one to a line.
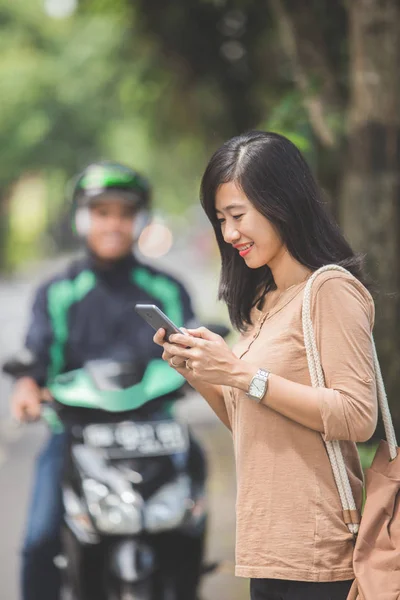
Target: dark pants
(279,589)
(40,577)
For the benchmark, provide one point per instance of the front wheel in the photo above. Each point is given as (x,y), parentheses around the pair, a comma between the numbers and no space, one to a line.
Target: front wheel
(132,591)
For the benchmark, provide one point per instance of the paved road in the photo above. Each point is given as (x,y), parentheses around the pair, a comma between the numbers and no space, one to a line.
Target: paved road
(19,445)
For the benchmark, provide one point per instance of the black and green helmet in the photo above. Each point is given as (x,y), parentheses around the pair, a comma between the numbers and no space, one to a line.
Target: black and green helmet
(102,177)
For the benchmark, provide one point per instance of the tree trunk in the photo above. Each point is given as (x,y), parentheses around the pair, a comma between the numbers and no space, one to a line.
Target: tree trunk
(303,41)
(369,202)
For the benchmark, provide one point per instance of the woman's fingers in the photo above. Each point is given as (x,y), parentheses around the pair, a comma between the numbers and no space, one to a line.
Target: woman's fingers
(186,341)
(159,337)
(177,363)
(190,337)
(205,334)
(166,356)
(184,347)
(174,361)
(172,354)
(175,350)
(200,339)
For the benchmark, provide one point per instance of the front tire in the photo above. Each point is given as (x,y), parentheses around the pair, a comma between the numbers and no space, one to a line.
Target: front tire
(181,559)
(132,591)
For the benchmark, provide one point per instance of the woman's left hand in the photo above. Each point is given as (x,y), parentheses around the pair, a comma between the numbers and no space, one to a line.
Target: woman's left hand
(207,355)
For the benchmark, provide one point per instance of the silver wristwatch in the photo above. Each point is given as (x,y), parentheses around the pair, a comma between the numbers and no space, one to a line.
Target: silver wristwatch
(258,385)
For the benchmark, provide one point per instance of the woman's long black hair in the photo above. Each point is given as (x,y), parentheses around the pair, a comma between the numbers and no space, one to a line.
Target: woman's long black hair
(277,180)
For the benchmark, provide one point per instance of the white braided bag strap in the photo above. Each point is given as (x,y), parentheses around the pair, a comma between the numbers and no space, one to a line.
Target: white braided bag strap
(317,380)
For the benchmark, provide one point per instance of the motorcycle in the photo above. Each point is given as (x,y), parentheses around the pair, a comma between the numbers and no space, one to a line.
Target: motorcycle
(133,487)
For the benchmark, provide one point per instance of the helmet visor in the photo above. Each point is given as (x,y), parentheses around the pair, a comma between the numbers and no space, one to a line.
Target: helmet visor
(93,197)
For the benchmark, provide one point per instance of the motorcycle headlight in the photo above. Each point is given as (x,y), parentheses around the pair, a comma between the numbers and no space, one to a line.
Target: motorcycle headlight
(111,513)
(77,517)
(167,508)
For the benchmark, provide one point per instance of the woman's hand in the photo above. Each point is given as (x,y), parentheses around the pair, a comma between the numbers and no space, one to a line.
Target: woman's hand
(211,391)
(200,354)
(176,363)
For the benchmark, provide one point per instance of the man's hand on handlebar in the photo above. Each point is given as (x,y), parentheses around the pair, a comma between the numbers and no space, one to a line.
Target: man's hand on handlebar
(26,400)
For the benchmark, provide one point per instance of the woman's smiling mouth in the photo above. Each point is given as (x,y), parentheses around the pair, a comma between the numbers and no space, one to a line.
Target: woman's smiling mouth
(244,249)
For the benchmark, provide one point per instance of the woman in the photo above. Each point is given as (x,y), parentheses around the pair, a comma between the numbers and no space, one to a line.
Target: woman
(273,232)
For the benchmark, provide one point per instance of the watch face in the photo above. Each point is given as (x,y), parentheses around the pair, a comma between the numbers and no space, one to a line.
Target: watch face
(257,388)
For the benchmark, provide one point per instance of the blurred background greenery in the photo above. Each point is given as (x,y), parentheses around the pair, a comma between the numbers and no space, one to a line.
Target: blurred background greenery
(160,84)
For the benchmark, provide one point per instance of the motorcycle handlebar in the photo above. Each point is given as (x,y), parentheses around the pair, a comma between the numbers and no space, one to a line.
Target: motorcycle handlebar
(19,365)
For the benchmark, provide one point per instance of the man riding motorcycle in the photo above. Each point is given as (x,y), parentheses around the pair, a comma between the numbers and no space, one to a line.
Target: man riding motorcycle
(86,313)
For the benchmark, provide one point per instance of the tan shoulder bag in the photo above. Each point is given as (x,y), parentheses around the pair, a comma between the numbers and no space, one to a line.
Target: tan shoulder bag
(376,558)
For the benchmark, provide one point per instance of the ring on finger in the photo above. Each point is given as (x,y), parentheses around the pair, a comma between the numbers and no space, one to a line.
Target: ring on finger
(175,365)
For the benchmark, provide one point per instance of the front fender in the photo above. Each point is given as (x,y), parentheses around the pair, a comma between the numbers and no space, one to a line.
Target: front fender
(131,560)
(78,389)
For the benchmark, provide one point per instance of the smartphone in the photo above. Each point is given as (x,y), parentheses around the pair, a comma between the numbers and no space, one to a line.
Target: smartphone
(156,318)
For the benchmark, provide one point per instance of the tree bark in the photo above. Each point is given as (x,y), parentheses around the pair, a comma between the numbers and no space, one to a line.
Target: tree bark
(303,43)
(303,38)
(369,202)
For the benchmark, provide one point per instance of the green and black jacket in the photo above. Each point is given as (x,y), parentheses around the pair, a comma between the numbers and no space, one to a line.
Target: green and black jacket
(87,313)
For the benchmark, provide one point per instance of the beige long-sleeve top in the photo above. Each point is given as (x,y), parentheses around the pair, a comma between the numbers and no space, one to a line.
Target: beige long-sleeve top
(289,515)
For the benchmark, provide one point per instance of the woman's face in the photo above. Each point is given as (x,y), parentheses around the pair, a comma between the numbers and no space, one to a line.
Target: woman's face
(249,232)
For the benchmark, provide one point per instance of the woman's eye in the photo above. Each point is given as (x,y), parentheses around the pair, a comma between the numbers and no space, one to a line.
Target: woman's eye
(221,221)
(237,217)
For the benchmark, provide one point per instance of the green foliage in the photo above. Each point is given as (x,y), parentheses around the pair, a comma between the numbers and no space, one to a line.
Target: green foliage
(153,84)
(367,453)
(77,90)
(288,117)
(56,87)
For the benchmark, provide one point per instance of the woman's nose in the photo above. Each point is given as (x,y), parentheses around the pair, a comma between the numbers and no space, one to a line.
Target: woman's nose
(231,234)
